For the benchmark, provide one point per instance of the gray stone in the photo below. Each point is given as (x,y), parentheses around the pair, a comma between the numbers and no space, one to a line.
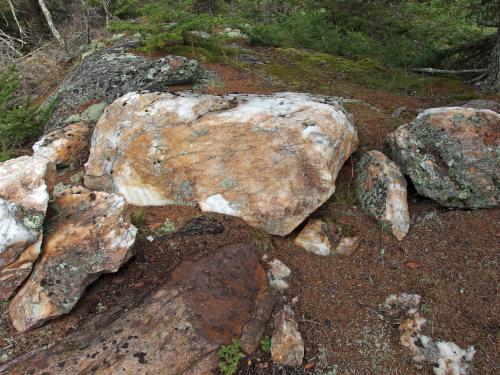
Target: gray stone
(111,72)
(451,155)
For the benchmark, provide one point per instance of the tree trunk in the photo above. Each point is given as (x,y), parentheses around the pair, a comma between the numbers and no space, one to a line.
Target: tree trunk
(52,27)
(493,80)
(13,10)
(108,14)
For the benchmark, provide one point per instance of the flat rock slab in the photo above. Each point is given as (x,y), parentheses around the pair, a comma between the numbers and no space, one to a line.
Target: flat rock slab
(112,72)
(90,235)
(25,184)
(176,330)
(451,155)
(381,189)
(271,160)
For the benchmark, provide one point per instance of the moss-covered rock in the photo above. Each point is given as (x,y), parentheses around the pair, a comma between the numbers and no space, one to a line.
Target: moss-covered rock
(452,155)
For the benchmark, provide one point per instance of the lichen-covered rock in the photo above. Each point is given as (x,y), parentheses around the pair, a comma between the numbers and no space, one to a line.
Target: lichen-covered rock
(64,146)
(451,155)
(25,186)
(90,235)
(381,189)
(112,72)
(287,345)
(177,329)
(314,238)
(271,160)
(483,104)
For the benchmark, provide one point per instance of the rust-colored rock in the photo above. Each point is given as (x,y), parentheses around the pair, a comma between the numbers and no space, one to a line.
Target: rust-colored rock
(271,160)
(90,235)
(25,185)
(176,330)
(64,146)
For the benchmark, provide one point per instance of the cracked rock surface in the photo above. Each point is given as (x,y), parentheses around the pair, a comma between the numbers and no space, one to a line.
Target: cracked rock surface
(177,329)
(24,196)
(271,160)
(90,235)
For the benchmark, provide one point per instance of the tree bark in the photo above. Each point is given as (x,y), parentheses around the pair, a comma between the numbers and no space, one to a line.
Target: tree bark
(52,27)
(493,79)
(108,14)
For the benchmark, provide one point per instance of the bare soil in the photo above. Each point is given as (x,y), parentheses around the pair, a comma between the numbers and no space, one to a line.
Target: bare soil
(450,257)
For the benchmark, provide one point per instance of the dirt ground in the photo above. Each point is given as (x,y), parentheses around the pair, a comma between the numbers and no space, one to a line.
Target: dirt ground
(450,257)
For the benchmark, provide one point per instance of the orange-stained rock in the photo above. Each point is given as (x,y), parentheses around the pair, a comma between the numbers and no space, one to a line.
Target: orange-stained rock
(271,160)
(381,189)
(65,145)
(176,330)
(314,238)
(25,184)
(90,235)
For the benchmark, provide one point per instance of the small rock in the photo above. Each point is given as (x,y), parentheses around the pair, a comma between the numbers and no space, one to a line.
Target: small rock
(450,154)
(202,226)
(381,189)
(234,33)
(150,238)
(314,238)
(64,146)
(199,34)
(399,112)
(278,274)
(253,331)
(91,235)
(403,302)
(25,187)
(347,245)
(287,345)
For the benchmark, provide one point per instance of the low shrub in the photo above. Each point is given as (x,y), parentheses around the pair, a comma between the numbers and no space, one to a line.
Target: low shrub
(18,122)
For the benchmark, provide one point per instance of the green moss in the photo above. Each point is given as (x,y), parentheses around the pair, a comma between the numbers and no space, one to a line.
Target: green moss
(320,72)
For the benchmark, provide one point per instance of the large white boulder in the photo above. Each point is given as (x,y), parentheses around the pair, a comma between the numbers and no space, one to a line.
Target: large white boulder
(271,160)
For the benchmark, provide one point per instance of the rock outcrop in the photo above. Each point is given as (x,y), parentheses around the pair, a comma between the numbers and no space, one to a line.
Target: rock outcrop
(25,186)
(451,155)
(287,345)
(90,235)
(381,189)
(271,160)
(64,146)
(112,72)
(176,330)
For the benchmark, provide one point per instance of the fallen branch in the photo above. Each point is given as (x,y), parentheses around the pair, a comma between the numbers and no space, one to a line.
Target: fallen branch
(432,71)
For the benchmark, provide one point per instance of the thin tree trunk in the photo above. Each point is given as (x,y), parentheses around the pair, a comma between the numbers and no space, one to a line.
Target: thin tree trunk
(493,80)
(22,34)
(52,27)
(108,14)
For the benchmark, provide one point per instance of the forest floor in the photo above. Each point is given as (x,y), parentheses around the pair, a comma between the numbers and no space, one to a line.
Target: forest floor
(449,257)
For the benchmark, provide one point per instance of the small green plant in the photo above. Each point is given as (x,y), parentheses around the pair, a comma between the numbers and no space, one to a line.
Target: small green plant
(425,308)
(230,356)
(138,217)
(266,344)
